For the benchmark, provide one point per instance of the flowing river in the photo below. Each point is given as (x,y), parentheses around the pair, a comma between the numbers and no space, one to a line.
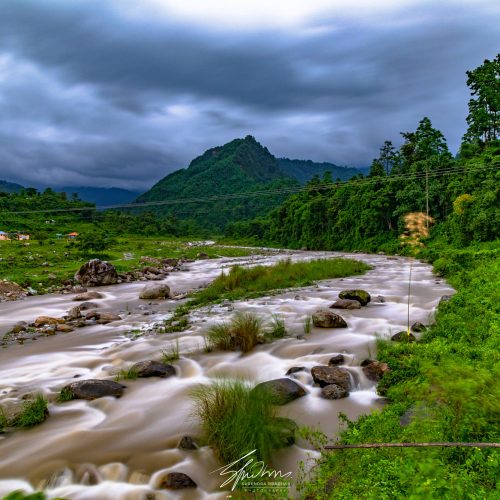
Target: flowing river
(122,448)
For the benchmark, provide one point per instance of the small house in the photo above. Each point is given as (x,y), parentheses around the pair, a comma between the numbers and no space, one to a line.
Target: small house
(72,235)
(4,236)
(22,236)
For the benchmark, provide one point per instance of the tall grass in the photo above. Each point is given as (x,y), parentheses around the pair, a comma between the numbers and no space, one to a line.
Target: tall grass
(172,353)
(242,282)
(34,412)
(277,328)
(236,420)
(241,334)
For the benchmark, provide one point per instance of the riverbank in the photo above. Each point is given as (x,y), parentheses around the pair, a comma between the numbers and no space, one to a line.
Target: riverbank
(443,388)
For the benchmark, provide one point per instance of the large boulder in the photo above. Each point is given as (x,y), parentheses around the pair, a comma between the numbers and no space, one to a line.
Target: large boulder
(97,272)
(282,390)
(327,375)
(93,389)
(334,391)
(374,370)
(346,304)
(324,318)
(361,296)
(151,292)
(153,368)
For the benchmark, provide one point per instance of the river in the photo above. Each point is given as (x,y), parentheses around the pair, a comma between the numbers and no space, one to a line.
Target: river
(122,448)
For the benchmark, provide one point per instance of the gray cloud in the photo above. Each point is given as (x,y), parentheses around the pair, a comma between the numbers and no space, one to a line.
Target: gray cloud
(91,96)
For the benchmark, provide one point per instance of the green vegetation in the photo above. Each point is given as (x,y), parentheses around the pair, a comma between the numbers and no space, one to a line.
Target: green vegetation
(242,282)
(172,353)
(243,333)
(448,382)
(236,420)
(127,374)
(65,394)
(33,412)
(21,495)
(277,328)
(307,324)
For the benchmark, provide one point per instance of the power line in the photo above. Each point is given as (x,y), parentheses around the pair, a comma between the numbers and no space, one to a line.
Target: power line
(270,192)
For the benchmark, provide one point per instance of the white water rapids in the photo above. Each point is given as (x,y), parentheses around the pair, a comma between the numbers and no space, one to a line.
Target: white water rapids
(122,448)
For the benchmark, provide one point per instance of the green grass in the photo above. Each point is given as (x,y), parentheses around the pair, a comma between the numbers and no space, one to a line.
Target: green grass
(47,265)
(236,420)
(241,334)
(172,353)
(33,412)
(21,495)
(127,374)
(307,324)
(242,282)
(64,395)
(449,381)
(277,328)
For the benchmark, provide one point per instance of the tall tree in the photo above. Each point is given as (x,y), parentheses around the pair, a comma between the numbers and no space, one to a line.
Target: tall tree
(388,156)
(484,107)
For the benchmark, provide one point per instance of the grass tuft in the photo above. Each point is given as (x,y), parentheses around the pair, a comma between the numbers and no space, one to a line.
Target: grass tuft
(277,328)
(307,324)
(242,333)
(34,412)
(236,420)
(172,353)
(64,395)
(127,374)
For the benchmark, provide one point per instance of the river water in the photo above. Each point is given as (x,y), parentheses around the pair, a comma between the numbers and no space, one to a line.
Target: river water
(122,448)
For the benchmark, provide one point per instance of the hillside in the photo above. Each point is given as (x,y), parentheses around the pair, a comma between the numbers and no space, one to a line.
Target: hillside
(241,165)
(305,170)
(101,196)
(10,187)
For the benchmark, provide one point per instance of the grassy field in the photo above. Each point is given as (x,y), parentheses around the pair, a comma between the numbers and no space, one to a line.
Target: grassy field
(46,263)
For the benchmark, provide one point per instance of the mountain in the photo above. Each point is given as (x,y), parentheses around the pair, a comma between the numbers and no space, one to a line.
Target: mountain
(305,170)
(101,196)
(10,187)
(242,165)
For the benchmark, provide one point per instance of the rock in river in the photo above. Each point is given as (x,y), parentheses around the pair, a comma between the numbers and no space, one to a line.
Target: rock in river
(326,375)
(283,390)
(346,304)
(403,337)
(153,368)
(324,318)
(97,272)
(334,391)
(361,296)
(374,370)
(177,481)
(92,295)
(94,388)
(155,292)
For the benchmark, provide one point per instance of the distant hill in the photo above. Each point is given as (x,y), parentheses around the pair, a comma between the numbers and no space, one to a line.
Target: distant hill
(241,165)
(10,187)
(101,196)
(305,170)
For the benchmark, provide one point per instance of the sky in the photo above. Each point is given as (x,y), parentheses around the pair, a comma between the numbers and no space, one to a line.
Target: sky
(122,92)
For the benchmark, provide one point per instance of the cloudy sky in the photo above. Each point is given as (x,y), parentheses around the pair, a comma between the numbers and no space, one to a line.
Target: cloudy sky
(122,92)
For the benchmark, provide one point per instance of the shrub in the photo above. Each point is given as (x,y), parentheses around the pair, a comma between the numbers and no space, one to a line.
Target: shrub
(236,420)
(242,333)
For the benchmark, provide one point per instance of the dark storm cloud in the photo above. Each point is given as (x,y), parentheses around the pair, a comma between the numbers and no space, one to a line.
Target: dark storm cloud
(92,96)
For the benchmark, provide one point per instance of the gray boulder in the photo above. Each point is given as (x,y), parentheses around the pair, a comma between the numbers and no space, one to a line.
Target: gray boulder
(346,304)
(327,375)
(97,272)
(336,360)
(94,388)
(177,481)
(283,390)
(153,368)
(324,318)
(362,296)
(334,391)
(403,337)
(151,292)
(92,295)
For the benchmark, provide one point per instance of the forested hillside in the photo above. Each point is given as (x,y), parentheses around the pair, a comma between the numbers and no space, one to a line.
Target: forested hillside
(305,170)
(10,187)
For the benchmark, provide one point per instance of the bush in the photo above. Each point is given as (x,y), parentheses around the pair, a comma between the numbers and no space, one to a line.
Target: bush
(236,420)
(242,333)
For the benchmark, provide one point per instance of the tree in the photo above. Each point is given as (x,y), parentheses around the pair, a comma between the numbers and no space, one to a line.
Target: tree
(376,169)
(95,241)
(484,107)
(387,156)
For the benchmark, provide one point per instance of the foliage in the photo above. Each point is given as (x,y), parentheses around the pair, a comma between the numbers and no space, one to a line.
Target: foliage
(246,282)
(172,353)
(65,394)
(33,412)
(127,374)
(448,383)
(277,327)
(242,333)
(236,420)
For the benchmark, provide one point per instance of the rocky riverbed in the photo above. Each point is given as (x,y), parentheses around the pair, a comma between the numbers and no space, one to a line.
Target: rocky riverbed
(131,447)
